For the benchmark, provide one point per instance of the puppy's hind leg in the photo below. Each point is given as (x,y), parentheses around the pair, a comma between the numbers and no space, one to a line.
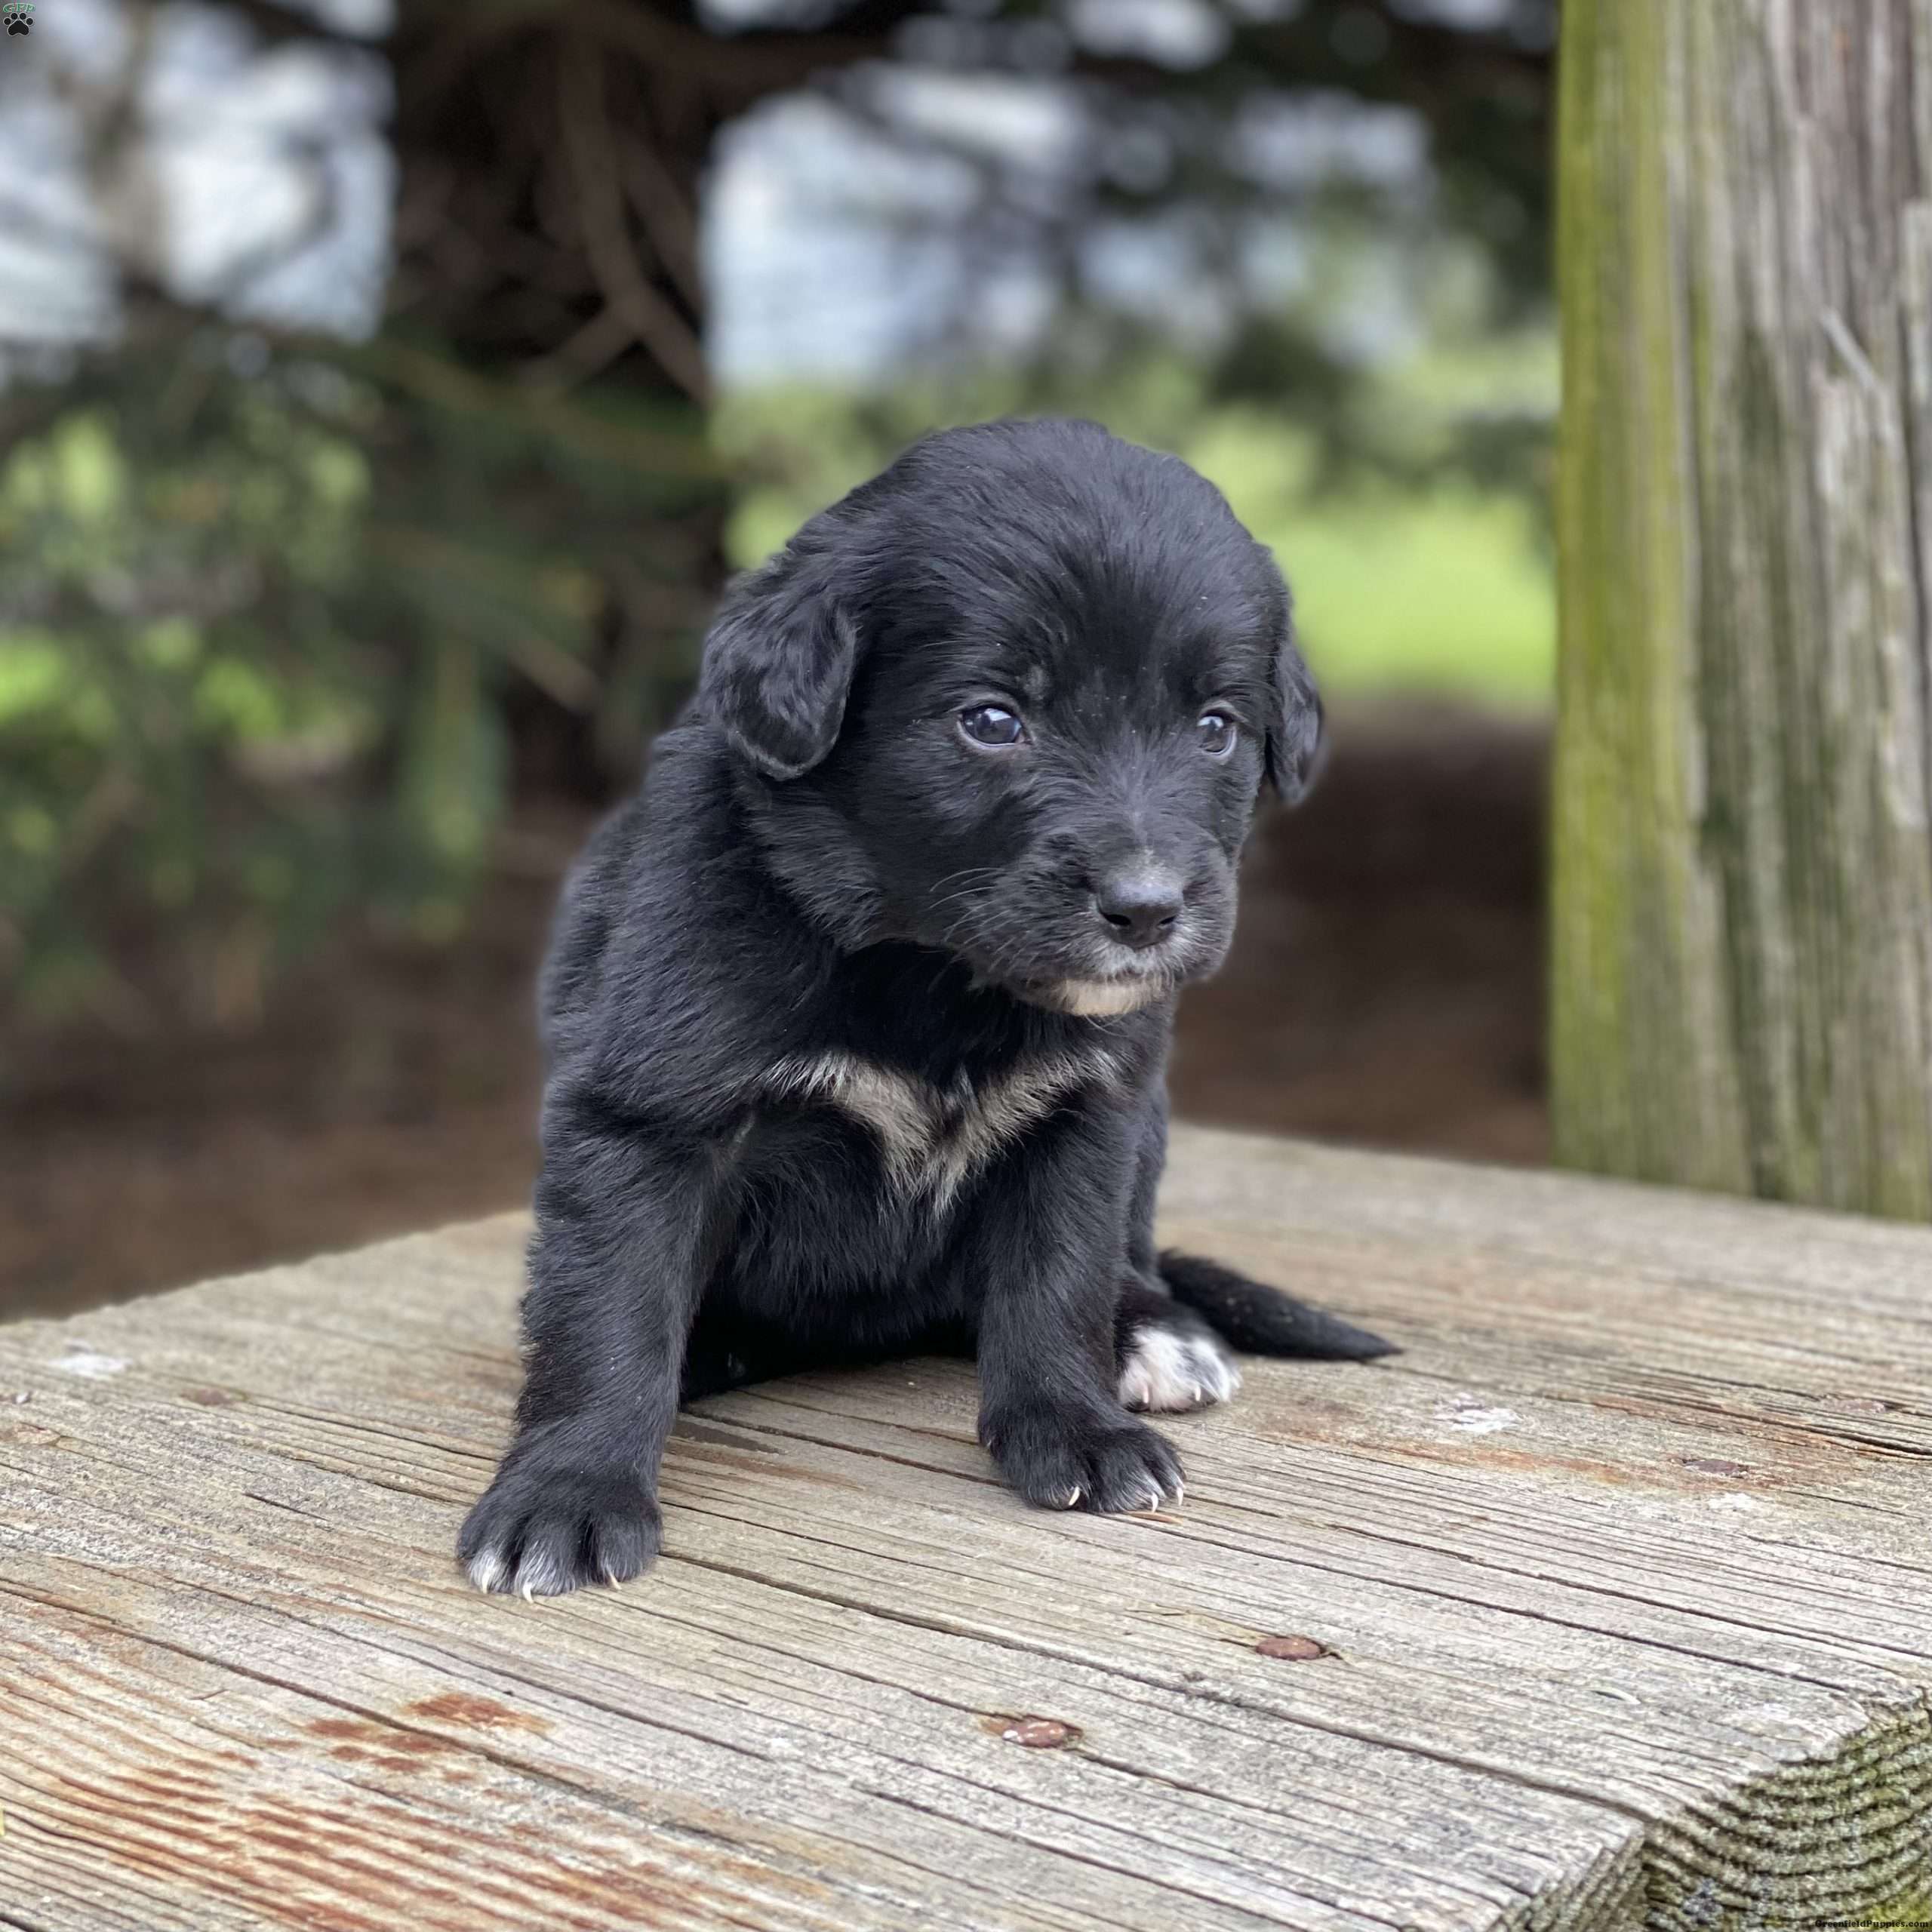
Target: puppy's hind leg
(1207,1300)
(1168,1357)
(1263,1320)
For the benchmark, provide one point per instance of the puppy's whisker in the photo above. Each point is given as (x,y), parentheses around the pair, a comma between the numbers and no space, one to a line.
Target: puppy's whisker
(953,926)
(959,917)
(965,873)
(941,899)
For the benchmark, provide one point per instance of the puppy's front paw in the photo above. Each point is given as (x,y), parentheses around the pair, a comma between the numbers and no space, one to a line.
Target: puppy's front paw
(543,1528)
(1098,1462)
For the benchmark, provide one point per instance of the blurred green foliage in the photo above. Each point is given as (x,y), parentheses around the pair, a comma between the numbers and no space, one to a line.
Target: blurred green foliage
(265,611)
(275,618)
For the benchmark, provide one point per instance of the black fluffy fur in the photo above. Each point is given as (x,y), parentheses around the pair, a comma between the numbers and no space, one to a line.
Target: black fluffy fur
(827,1082)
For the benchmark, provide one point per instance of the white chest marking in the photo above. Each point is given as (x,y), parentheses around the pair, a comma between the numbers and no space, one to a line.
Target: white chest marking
(932,1137)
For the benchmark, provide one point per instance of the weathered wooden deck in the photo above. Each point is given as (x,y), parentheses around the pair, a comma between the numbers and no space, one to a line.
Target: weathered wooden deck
(1622,1577)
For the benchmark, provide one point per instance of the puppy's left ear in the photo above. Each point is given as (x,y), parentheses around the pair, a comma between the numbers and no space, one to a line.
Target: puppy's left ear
(1296,744)
(778,665)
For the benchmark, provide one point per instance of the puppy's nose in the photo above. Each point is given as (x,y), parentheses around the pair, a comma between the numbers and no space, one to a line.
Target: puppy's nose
(1140,903)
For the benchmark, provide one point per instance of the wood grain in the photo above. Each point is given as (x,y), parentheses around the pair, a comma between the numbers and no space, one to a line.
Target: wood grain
(1616,1581)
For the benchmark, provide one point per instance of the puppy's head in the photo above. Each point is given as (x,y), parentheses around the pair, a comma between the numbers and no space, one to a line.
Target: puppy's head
(1015,699)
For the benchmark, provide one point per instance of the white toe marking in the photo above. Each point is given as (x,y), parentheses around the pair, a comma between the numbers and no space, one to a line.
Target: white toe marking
(1166,1371)
(486,1570)
(543,1576)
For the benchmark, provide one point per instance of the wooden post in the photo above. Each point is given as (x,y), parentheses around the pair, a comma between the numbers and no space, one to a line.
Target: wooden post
(1742,993)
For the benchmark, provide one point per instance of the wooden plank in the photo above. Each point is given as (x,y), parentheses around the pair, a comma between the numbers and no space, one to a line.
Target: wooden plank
(1620,1573)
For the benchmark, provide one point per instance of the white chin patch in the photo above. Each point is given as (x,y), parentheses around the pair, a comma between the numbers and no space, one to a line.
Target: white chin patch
(1165,1370)
(1093,999)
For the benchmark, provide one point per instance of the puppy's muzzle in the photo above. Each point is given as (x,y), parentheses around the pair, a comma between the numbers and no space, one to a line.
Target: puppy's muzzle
(1138,905)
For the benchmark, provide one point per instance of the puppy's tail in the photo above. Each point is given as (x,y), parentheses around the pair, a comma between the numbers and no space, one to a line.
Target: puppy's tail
(1262,1321)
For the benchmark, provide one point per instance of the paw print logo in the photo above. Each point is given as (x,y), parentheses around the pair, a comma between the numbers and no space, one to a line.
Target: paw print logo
(18,15)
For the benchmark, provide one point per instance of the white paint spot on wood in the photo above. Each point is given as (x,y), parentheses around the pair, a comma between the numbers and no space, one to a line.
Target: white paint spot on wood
(1471,1417)
(82,1361)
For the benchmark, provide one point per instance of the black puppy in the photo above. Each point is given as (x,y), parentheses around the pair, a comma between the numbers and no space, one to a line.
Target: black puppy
(858,1015)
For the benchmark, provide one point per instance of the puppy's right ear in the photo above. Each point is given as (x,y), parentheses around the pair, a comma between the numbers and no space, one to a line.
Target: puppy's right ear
(1296,744)
(778,665)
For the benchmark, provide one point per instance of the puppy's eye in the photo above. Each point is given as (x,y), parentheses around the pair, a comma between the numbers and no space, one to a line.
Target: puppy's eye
(992,726)
(1217,732)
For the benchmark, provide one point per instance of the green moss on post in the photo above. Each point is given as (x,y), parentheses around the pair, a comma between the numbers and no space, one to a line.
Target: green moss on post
(1742,993)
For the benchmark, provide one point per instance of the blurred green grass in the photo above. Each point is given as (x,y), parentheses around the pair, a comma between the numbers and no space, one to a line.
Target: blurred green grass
(1441,591)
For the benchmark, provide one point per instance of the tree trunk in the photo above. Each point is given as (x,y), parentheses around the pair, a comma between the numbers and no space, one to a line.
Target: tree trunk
(1742,991)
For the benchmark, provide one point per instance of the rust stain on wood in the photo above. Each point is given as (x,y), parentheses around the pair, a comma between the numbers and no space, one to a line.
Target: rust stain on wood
(476,1713)
(390,1737)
